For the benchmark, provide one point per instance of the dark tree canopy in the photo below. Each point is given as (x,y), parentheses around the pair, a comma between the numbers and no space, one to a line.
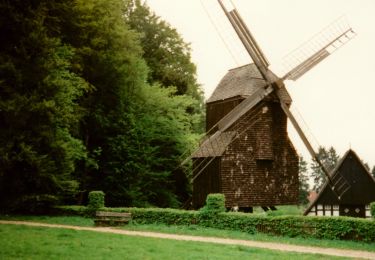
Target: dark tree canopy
(87,102)
(39,112)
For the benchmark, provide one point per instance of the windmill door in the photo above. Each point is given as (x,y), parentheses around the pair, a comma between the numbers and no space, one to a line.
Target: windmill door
(358,211)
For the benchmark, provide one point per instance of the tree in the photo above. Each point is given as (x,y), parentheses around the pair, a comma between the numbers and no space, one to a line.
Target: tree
(165,52)
(328,158)
(134,132)
(373,171)
(167,56)
(303,178)
(158,133)
(38,106)
(108,57)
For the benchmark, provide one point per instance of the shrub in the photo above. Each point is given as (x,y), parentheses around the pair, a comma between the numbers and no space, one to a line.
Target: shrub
(215,203)
(35,204)
(343,228)
(372,209)
(96,201)
(73,210)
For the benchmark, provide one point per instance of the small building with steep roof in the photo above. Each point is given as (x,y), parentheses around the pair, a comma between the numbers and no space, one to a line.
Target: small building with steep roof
(355,202)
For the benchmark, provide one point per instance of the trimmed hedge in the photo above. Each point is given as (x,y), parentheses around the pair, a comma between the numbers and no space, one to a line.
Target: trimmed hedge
(96,201)
(341,228)
(73,210)
(215,203)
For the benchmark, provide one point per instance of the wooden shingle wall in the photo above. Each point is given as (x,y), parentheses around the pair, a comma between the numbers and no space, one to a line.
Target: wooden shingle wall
(260,167)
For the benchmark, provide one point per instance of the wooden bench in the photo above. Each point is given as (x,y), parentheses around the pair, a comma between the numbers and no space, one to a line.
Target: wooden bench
(105,218)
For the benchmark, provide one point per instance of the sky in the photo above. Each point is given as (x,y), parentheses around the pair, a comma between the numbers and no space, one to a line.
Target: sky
(335,99)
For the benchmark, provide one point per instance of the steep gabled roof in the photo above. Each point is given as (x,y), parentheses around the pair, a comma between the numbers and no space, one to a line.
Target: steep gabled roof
(353,195)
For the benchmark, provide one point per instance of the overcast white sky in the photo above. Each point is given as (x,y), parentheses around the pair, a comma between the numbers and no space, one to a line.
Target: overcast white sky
(336,98)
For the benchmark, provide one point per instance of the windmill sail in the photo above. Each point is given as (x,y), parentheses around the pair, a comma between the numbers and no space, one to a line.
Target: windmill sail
(338,183)
(313,52)
(246,38)
(319,47)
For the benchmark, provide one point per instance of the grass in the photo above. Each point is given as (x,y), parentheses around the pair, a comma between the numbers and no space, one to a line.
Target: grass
(21,242)
(63,220)
(200,231)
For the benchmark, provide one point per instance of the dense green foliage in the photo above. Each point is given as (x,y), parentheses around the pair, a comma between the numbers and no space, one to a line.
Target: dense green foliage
(96,200)
(342,228)
(39,112)
(215,203)
(82,109)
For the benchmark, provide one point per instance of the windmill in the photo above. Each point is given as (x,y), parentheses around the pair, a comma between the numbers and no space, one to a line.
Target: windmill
(246,153)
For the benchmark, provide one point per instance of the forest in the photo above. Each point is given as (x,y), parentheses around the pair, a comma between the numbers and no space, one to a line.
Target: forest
(94,95)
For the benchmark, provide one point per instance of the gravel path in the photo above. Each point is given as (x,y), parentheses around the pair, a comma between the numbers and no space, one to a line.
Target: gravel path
(225,241)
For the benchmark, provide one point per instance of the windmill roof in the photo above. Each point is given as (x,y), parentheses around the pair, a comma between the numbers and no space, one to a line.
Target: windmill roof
(243,81)
(215,145)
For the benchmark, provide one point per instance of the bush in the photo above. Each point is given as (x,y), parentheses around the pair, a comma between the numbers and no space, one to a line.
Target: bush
(73,210)
(342,228)
(215,203)
(34,204)
(96,201)
(372,209)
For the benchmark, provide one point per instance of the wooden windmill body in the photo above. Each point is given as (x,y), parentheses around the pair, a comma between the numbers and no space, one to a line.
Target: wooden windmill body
(255,163)
(246,153)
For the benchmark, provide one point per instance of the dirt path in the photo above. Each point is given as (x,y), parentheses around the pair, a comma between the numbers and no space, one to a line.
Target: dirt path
(226,241)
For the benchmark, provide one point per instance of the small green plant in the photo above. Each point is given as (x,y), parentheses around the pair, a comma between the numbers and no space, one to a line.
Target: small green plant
(372,209)
(96,201)
(215,203)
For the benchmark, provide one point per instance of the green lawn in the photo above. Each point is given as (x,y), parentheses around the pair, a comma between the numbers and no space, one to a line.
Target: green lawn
(64,220)
(200,231)
(22,242)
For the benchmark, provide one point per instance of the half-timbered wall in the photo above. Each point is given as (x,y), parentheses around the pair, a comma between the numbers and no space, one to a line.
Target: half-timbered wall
(362,211)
